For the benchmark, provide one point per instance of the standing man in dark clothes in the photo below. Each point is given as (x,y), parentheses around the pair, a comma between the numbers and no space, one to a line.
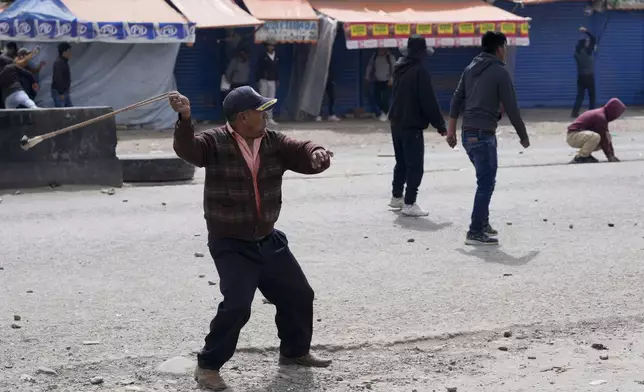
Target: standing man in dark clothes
(379,76)
(413,108)
(244,164)
(484,86)
(267,76)
(590,132)
(62,79)
(584,53)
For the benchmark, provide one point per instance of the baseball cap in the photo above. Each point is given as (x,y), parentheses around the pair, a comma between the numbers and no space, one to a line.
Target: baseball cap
(245,98)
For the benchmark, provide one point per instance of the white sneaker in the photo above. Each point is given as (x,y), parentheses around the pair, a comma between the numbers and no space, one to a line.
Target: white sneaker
(383,117)
(396,203)
(413,210)
(271,122)
(334,118)
(318,118)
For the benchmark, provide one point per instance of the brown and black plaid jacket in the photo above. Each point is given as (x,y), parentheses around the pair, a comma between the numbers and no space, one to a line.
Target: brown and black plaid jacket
(229,195)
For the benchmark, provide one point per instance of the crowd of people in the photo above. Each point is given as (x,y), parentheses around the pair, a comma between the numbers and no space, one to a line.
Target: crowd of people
(20,81)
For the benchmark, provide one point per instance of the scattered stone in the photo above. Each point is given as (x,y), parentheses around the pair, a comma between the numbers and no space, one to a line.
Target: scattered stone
(319,320)
(16,317)
(598,382)
(411,240)
(599,346)
(197,254)
(164,204)
(15,326)
(603,357)
(108,191)
(520,152)
(30,291)
(509,223)
(365,237)
(532,357)
(503,348)
(611,225)
(124,200)
(45,370)
(17,193)
(545,219)
(641,382)
(212,283)
(452,389)
(1,268)
(96,380)
(339,378)
(91,342)
(507,274)
(570,226)
(202,275)
(126,382)
(27,378)
(507,334)
(176,365)
(8,366)
(197,235)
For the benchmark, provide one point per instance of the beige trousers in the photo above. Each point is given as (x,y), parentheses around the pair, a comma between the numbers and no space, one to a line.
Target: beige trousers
(585,141)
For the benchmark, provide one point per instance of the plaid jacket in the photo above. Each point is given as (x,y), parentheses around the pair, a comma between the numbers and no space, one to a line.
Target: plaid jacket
(229,196)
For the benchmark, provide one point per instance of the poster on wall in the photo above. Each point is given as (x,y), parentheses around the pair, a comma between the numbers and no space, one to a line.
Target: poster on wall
(383,35)
(288,31)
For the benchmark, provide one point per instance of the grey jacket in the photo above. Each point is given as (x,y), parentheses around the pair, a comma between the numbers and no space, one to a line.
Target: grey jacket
(484,86)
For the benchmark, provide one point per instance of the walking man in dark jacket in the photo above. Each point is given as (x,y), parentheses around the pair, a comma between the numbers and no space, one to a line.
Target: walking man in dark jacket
(584,53)
(413,108)
(62,78)
(484,86)
(245,163)
(267,76)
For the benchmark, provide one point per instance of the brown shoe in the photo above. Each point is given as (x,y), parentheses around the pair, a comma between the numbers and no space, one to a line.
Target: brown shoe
(210,379)
(309,360)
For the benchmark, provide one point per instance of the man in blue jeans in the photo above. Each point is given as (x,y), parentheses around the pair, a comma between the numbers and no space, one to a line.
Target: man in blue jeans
(484,91)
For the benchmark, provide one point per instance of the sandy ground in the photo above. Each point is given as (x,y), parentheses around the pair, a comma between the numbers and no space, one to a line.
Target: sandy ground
(108,286)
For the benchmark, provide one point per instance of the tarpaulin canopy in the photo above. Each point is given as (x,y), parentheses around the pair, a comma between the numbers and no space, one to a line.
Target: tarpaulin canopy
(215,13)
(37,20)
(129,21)
(374,23)
(286,21)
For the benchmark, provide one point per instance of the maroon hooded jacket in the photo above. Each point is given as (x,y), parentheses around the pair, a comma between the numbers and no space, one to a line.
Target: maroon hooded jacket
(597,120)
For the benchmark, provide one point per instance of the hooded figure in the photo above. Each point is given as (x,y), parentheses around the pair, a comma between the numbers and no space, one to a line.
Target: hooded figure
(584,52)
(414,107)
(590,132)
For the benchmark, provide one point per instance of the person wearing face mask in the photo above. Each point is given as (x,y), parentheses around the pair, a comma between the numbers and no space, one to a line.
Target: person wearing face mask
(584,56)
(245,163)
(484,89)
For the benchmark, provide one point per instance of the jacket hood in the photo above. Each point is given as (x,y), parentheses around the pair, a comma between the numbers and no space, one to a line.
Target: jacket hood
(614,109)
(482,62)
(416,52)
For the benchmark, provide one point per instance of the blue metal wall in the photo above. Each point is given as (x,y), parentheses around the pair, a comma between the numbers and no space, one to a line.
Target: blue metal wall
(198,74)
(348,77)
(446,67)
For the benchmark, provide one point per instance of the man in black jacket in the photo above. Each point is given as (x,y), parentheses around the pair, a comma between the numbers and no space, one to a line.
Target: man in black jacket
(267,76)
(414,107)
(484,90)
(62,79)
(584,52)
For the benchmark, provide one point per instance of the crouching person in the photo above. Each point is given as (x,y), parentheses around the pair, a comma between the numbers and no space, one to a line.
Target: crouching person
(589,132)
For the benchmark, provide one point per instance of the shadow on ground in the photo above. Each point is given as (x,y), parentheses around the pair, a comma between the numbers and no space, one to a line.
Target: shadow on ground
(497,255)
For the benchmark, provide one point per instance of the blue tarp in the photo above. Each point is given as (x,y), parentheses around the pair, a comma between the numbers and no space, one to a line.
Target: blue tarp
(50,20)
(37,20)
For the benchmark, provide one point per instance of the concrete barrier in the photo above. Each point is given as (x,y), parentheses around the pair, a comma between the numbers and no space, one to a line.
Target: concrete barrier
(155,168)
(86,156)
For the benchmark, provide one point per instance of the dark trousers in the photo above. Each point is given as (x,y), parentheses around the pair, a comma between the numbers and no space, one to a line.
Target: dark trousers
(481,149)
(244,267)
(330,95)
(381,95)
(61,100)
(409,149)
(584,82)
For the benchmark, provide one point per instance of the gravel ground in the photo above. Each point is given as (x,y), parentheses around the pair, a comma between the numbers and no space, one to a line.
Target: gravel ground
(109,286)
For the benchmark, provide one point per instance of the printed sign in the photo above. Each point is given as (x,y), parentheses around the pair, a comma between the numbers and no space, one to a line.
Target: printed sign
(466,28)
(445,29)
(381,30)
(424,29)
(402,29)
(525,29)
(291,31)
(508,28)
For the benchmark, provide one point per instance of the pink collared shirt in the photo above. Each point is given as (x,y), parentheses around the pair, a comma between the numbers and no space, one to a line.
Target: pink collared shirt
(251,156)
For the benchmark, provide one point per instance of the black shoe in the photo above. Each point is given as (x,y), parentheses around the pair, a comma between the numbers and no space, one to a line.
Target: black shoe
(588,159)
(490,231)
(480,239)
(591,159)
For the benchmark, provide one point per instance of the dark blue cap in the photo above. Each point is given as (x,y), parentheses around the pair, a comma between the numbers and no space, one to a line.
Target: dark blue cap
(245,98)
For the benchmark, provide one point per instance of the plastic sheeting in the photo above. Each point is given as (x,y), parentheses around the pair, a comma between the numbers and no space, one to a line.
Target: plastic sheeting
(116,75)
(312,87)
